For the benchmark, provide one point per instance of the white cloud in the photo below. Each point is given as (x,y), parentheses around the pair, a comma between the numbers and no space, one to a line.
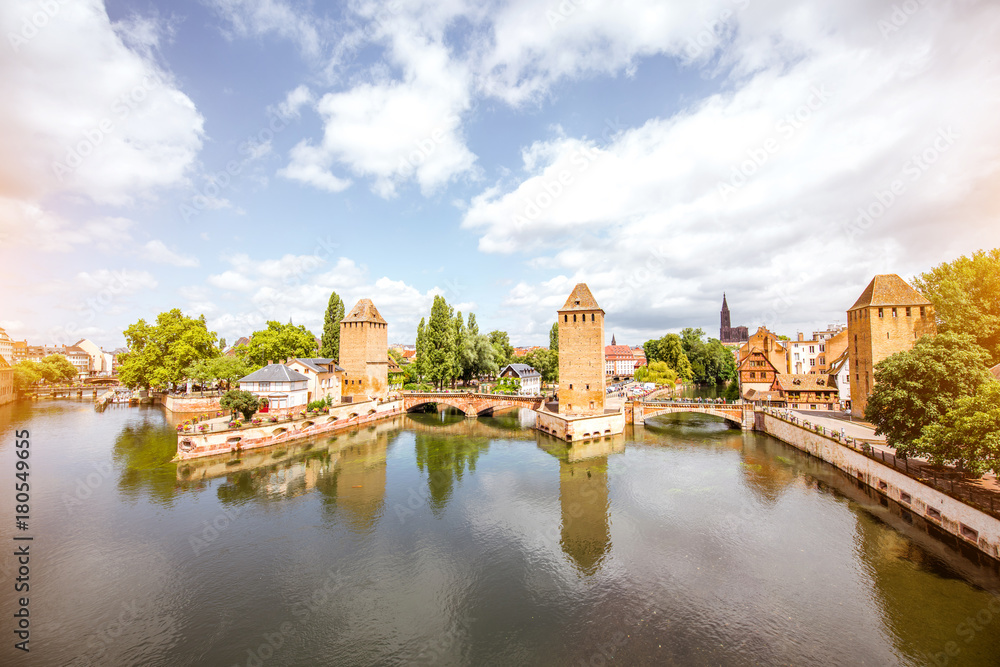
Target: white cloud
(157,251)
(286,20)
(757,191)
(120,282)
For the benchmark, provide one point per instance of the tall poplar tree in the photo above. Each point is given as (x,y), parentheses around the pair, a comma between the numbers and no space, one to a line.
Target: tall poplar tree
(554,337)
(330,347)
(421,360)
(440,340)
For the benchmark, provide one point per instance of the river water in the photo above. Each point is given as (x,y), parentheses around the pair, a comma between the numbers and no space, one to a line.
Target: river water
(437,540)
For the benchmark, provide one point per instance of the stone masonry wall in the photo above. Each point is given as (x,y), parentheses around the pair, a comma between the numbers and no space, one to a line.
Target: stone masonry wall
(581,362)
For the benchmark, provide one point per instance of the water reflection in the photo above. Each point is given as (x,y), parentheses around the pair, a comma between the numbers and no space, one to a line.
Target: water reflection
(585,532)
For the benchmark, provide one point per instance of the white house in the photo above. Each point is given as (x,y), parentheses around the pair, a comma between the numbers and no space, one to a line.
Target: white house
(840,371)
(325,377)
(283,387)
(531,380)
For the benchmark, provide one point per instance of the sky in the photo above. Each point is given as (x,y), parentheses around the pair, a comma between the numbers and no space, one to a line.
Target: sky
(242,159)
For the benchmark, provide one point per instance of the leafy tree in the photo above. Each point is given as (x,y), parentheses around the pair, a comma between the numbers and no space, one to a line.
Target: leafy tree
(158,354)
(966,297)
(554,337)
(461,363)
(239,400)
(57,368)
(279,341)
(732,392)
(657,372)
(224,369)
(503,352)
(473,326)
(545,362)
(483,357)
(439,337)
(330,347)
(672,353)
(26,374)
(711,362)
(916,388)
(420,362)
(969,433)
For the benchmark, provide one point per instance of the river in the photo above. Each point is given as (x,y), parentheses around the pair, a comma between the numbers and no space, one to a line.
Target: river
(432,539)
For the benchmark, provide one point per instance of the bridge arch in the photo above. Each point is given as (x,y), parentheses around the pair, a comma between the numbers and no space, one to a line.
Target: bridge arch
(734,415)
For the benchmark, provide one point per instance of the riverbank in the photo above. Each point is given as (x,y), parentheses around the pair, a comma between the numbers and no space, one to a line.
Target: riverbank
(965,522)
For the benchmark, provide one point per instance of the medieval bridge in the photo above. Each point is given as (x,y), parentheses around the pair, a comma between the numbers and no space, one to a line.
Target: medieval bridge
(473,405)
(740,414)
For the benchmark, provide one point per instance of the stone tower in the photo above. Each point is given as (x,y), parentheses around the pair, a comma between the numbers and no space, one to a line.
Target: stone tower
(364,351)
(726,323)
(888,317)
(581,354)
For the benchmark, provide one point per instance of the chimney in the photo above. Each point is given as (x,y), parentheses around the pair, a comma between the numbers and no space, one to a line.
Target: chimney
(802,336)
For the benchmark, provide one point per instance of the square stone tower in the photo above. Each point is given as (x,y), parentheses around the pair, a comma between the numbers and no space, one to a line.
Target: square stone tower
(364,351)
(887,318)
(581,354)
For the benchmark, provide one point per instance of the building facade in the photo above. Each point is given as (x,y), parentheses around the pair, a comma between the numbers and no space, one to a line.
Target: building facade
(325,377)
(806,391)
(727,332)
(364,352)
(6,382)
(769,345)
(581,354)
(887,318)
(756,373)
(531,380)
(619,360)
(6,347)
(284,388)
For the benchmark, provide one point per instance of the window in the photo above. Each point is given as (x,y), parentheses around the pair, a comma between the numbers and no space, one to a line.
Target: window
(894,312)
(591,317)
(822,348)
(571,386)
(574,317)
(880,312)
(812,362)
(264,386)
(587,386)
(921,311)
(812,349)
(907,311)
(565,318)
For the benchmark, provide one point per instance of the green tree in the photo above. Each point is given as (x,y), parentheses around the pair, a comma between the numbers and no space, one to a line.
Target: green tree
(966,297)
(462,351)
(238,400)
(711,362)
(916,388)
(439,336)
(554,337)
(330,347)
(672,353)
(968,434)
(26,374)
(503,352)
(280,341)
(420,362)
(545,362)
(223,369)
(159,354)
(483,358)
(473,326)
(57,368)
(657,372)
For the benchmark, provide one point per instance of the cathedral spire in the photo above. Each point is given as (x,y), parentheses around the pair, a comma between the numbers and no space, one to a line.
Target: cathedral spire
(613,340)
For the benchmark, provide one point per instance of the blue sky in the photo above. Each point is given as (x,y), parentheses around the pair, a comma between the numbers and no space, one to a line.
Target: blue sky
(243,158)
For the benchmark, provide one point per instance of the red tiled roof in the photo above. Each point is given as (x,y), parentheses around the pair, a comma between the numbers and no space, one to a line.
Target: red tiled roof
(581,299)
(889,290)
(364,311)
(803,382)
(996,371)
(618,351)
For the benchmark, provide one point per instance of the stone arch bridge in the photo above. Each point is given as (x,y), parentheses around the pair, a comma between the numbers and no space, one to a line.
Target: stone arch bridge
(740,414)
(473,405)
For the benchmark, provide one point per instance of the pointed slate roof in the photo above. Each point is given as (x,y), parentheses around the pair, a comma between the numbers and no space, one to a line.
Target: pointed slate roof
(364,311)
(274,373)
(613,340)
(580,299)
(725,306)
(889,290)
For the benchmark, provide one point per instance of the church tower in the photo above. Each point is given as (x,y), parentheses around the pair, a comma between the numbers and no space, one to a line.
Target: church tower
(726,323)
(581,354)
